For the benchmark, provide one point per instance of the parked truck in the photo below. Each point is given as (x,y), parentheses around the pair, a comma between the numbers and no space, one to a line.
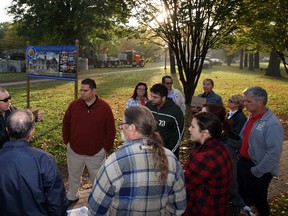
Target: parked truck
(129,57)
(126,57)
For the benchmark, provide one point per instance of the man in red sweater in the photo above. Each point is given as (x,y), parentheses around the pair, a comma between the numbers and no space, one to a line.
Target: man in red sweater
(88,131)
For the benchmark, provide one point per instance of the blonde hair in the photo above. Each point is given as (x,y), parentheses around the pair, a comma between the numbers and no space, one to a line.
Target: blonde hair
(237,99)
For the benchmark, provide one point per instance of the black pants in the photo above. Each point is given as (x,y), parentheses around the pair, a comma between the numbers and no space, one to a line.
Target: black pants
(253,190)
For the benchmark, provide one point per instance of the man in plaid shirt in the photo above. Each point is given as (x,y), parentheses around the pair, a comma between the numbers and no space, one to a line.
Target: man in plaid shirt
(142,177)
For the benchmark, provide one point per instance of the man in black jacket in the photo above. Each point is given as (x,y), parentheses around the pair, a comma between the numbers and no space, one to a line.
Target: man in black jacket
(169,117)
(5,109)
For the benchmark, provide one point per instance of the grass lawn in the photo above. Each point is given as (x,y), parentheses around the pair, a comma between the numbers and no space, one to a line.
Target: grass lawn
(54,97)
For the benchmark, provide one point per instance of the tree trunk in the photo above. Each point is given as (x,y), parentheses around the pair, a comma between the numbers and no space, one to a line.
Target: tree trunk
(230,59)
(256,60)
(172,61)
(241,58)
(251,65)
(245,59)
(274,65)
(188,92)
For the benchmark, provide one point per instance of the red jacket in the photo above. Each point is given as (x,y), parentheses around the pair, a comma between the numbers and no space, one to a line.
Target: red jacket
(208,175)
(88,130)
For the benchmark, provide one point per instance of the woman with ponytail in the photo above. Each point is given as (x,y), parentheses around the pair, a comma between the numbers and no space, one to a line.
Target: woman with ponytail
(142,177)
(208,171)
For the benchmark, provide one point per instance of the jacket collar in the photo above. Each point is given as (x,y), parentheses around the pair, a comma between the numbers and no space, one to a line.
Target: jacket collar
(16,144)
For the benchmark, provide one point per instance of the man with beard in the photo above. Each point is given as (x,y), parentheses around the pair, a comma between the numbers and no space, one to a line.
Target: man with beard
(169,117)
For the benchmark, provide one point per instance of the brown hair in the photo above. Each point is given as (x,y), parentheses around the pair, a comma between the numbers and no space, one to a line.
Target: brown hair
(145,124)
(220,112)
(209,121)
(134,96)
(209,80)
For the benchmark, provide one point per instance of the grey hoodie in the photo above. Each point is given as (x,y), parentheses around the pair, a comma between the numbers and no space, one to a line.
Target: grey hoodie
(265,144)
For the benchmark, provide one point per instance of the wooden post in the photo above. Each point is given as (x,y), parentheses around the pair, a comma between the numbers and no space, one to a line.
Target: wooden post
(27,82)
(77,70)
(28,92)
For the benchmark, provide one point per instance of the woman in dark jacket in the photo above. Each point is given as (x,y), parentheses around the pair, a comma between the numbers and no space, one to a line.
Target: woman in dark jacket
(236,115)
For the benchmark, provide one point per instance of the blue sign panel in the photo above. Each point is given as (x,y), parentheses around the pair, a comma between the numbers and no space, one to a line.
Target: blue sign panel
(51,62)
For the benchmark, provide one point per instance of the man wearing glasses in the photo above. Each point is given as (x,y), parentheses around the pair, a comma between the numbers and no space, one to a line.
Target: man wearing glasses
(173,93)
(5,109)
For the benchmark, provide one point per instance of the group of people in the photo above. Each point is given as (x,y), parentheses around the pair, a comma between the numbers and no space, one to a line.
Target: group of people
(168,107)
(230,169)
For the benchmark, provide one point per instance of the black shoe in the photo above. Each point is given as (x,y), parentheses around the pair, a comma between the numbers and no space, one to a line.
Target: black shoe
(72,202)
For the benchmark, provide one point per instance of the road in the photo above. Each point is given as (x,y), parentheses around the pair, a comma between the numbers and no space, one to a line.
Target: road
(80,76)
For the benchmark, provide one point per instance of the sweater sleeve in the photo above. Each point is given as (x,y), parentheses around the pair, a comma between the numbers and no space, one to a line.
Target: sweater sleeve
(66,126)
(110,130)
(274,145)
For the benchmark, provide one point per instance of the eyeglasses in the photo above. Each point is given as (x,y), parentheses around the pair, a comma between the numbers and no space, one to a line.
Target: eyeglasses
(230,101)
(168,83)
(120,125)
(141,89)
(5,100)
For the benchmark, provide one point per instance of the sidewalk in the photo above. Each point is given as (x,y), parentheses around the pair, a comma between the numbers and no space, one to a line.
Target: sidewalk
(278,184)
(80,76)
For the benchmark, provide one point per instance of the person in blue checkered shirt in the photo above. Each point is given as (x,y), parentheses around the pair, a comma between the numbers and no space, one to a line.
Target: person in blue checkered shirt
(142,177)
(139,97)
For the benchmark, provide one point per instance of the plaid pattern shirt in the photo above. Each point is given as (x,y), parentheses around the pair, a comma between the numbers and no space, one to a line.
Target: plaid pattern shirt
(208,174)
(134,102)
(126,184)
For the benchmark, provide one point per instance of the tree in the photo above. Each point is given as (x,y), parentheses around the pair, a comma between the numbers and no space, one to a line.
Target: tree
(190,28)
(12,40)
(265,24)
(3,29)
(64,21)
(274,65)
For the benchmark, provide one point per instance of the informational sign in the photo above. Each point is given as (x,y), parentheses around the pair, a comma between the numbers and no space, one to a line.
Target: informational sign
(55,62)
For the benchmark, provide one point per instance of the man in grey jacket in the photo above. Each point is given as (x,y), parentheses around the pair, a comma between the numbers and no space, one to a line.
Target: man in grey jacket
(260,153)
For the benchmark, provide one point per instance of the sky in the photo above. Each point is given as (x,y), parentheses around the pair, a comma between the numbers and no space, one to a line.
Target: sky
(3,16)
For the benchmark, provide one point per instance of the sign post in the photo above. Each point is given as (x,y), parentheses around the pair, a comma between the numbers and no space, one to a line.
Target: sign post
(77,71)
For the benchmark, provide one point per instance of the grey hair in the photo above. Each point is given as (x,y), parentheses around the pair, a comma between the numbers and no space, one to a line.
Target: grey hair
(257,92)
(19,124)
(3,90)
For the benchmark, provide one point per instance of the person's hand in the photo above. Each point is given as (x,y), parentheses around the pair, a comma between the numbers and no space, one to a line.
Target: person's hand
(195,109)
(40,116)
